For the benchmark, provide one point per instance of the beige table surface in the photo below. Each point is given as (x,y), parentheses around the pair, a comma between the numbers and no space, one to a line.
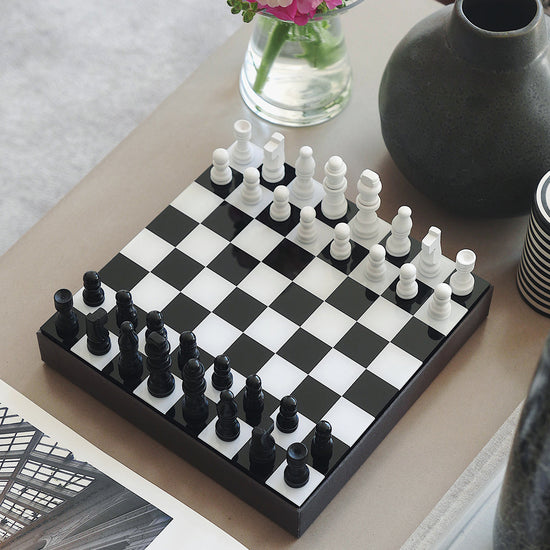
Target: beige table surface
(445,429)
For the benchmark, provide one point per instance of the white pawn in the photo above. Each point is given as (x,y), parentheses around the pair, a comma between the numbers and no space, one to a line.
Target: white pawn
(462,282)
(375,267)
(398,243)
(307,232)
(280,207)
(439,307)
(334,204)
(251,191)
(241,152)
(407,287)
(305,168)
(220,173)
(340,247)
(429,261)
(365,224)
(273,169)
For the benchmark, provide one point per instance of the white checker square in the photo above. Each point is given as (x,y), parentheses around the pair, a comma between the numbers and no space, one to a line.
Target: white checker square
(208,289)
(384,318)
(337,371)
(264,283)
(197,202)
(328,324)
(235,198)
(358,274)
(305,426)
(279,377)
(348,421)
(227,448)
(239,382)
(271,329)
(446,267)
(97,361)
(394,365)
(383,229)
(325,235)
(320,278)
(153,293)
(318,194)
(216,335)
(162,404)
(202,244)
(257,239)
(296,495)
(173,338)
(108,304)
(446,325)
(147,249)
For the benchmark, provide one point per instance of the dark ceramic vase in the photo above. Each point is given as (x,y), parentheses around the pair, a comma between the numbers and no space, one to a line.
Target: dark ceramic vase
(465,105)
(523,513)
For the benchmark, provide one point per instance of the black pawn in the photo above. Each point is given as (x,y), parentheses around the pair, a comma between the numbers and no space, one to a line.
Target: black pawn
(322,446)
(227,425)
(125,309)
(287,417)
(222,377)
(253,400)
(98,340)
(93,295)
(188,348)
(297,471)
(155,323)
(66,321)
(262,448)
(130,361)
(195,403)
(161,381)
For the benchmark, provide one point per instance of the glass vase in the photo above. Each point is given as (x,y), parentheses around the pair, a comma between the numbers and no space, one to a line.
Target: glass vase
(296,75)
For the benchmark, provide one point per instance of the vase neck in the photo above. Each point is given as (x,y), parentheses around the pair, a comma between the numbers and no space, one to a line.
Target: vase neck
(498,34)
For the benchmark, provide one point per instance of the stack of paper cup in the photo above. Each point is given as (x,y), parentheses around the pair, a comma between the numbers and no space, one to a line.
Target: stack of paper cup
(533,276)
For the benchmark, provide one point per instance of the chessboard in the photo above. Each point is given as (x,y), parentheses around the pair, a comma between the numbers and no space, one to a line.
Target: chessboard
(314,325)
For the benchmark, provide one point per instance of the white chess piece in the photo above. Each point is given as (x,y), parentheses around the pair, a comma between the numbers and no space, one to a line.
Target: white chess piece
(305,168)
(220,173)
(375,266)
(407,287)
(334,204)
(439,307)
(429,261)
(365,224)
(280,207)
(273,169)
(241,152)
(307,232)
(398,243)
(462,281)
(251,191)
(340,247)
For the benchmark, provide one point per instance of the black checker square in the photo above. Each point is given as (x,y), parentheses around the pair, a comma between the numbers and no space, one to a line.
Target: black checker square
(284,227)
(259,472)
(113,327)
(296,303)
(222,191)
(172,225)
(182,313)
(112,372)
(233,264)
(176,415)
(358,254)
(304,350)
(288,258)
(352,298)
(247,356)
(239,309)
(227,221)
(346,218)
(290,174)
(416,246)
(370,393)
(480,287)
(339,449)
(271,404)
(177,269)
(314,399)
(361,344)
(418,339)
(121,273)
(410,306)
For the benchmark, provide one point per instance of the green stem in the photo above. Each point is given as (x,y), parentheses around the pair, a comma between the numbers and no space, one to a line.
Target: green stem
(277,37)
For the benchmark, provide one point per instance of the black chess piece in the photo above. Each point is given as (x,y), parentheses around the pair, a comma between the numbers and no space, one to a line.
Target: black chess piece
(155,323)
(98,340)
(227,425)
(222,377)
(66,321)
(322,446)
(253,400)
(195,403)
(161,381)
(188,348)
(262,449)
(130,360)
(93,295)
(297,471)
(287,417)
(125,309)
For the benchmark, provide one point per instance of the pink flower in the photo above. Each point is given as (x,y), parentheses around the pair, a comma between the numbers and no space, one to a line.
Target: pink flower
(297,11)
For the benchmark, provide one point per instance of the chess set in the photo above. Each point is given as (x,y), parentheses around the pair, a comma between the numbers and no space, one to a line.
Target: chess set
(266,328)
